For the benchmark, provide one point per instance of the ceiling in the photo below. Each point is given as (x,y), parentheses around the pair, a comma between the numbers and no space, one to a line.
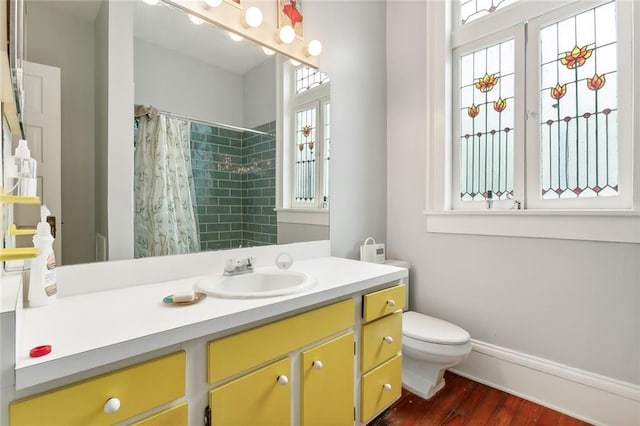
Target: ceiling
(171,28)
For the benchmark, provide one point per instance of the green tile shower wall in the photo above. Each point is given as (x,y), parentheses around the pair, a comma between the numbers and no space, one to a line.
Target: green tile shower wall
(234,208)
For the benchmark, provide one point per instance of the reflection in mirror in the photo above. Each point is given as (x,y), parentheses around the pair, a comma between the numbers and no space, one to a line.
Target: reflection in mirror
(226,93)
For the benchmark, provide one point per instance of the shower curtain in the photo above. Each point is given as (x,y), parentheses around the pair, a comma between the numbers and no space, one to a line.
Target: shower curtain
(165,221)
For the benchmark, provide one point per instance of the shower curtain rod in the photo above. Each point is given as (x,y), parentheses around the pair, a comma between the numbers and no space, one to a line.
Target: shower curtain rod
(213,123)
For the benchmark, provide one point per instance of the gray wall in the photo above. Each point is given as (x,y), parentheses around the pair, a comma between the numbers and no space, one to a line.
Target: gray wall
(184,85)
(67,42)
(297,232)
(102,120)
(573,302)
(353,39)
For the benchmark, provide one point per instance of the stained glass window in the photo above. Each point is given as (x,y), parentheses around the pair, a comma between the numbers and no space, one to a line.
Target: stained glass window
(470,10)
(487,131)
(306,148)
(308,78)
(578,105)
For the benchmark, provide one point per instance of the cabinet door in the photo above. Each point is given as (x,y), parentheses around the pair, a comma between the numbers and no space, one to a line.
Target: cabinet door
(259,398)
(381,340)
(380,387)
(138,388)
(327,383)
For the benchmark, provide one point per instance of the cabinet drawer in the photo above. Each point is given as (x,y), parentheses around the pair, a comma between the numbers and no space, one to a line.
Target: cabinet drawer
(380,387)
(383,302)
(327,383)
(381,340)
(174,416)
(139,388)
(257,398)
(239,352)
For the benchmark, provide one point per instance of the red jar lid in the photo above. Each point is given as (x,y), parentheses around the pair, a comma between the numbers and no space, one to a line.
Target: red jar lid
(40,351)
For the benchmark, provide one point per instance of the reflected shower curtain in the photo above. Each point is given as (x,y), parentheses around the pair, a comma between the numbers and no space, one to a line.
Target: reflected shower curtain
(165,221)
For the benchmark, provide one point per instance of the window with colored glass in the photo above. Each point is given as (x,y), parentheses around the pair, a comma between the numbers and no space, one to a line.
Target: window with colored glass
(538,107)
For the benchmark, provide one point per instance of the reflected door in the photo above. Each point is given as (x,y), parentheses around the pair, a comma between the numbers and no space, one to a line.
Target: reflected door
(42,126)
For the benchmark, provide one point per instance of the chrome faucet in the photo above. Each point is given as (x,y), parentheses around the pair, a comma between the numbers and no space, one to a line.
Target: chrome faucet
(241,266)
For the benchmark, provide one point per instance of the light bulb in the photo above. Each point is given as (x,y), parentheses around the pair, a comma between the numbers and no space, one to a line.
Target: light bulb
(294,62)
(287,34)
(213,3)
(195,20)
(151,2)
(235,37)
(253,17)
(268,51)
(314,48)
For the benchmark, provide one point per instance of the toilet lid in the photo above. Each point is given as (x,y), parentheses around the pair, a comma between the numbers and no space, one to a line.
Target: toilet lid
(433,330)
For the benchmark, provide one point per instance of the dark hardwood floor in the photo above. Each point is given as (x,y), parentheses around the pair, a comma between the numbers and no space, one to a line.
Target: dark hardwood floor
(465,402)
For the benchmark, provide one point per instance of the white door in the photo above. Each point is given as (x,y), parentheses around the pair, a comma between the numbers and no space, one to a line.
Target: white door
(42,126)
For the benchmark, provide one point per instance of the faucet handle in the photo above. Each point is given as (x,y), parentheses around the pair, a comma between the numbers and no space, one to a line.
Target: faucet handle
(230,265)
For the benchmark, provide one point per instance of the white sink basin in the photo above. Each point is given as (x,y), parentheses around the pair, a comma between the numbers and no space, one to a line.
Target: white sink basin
(265,283)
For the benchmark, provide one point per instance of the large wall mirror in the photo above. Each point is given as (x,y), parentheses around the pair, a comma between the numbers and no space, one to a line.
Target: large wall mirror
(232,146)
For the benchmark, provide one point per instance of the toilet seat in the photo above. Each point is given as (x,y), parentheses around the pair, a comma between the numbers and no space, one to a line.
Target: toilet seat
(424,328)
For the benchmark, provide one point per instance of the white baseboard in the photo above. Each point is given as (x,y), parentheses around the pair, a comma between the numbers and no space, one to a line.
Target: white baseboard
(587,396)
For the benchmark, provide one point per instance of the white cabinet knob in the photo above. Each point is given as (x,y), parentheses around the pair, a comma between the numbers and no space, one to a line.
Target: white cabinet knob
(391,303)
(283,380)
(388,339)
(317,364)
(112,405)
(387,386)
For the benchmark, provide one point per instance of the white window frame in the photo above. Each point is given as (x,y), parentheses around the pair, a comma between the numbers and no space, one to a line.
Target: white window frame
(287,103)
(619,225)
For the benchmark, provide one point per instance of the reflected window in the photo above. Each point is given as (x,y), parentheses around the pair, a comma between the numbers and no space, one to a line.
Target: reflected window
(309,137)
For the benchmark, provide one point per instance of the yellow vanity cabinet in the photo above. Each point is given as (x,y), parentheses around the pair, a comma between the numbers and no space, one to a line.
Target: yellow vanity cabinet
(259,398)
(327,383)
(381,350)
(106,399)
(254,381)
(177,415)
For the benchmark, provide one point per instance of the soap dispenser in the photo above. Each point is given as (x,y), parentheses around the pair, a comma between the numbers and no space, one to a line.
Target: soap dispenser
(20,172)
(42,280)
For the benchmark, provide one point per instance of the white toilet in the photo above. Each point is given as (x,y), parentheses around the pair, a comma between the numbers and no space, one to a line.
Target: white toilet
(429,347)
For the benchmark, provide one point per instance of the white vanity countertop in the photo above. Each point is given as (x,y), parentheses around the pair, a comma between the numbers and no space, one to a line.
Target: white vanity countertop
(95,329)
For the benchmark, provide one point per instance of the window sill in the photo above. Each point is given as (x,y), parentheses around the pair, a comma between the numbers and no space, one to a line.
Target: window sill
(614,226)
(304,216)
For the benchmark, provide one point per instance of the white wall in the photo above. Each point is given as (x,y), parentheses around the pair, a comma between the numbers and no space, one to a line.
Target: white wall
(353,39)
(120,135)
(259,94)
(67,42)
(576,303)
(182,85)
(102,118)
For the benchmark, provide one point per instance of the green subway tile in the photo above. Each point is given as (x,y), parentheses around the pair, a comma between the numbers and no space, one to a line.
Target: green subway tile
(218,140)
(231,201)
(231,235)
(231,133)
(217,227)
(218,209)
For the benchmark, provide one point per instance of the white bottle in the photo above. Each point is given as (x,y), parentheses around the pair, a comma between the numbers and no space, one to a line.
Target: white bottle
(20,172)
(42,281)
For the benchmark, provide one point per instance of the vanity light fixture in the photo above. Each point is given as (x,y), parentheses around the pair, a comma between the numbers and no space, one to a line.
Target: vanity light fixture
(235,37)
(268,51)
(213,3)
(253,17)
(287,34)
(195,19)
(151,2)
(314,48)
